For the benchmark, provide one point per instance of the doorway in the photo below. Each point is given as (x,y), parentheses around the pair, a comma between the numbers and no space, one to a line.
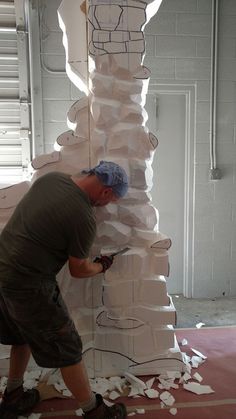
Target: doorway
(168,121)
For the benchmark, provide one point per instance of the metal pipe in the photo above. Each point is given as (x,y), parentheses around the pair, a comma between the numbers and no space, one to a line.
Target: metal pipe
(35,78)
(213,90)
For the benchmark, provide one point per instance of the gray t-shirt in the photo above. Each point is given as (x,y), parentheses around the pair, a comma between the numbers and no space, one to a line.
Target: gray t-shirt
(53,221)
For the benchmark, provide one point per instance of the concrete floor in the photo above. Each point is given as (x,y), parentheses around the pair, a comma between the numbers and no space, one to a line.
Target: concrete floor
(212,312)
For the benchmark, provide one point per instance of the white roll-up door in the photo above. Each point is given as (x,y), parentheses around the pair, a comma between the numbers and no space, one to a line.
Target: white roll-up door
(14,93)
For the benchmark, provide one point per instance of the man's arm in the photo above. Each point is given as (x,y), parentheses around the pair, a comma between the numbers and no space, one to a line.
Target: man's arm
(83,268)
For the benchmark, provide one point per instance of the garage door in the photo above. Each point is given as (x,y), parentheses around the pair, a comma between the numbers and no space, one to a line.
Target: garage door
(14,93)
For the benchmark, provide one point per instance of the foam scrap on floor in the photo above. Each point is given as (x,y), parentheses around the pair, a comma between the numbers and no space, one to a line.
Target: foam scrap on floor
(140,411)
(129,385)
(167,398)
(198,388)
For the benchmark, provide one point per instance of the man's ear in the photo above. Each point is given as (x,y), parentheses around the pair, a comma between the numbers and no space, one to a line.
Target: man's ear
(108,192)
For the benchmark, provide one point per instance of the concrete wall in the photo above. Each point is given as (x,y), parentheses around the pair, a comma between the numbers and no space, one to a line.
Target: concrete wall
(178,50)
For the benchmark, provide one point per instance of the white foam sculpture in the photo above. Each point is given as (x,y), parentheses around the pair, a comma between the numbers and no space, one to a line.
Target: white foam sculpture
(125,317)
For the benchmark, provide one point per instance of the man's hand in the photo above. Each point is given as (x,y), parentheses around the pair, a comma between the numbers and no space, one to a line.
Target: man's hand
(106,261)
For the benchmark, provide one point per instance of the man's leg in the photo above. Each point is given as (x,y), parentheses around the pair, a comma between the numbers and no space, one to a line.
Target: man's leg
(19,359)
(76,380)
(16,401)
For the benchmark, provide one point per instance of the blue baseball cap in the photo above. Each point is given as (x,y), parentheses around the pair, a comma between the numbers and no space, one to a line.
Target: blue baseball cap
(111,174)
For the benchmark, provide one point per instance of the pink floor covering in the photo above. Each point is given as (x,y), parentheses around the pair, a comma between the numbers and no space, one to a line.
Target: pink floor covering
(219,371)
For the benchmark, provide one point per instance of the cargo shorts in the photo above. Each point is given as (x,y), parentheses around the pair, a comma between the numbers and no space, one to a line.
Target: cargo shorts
(39,317)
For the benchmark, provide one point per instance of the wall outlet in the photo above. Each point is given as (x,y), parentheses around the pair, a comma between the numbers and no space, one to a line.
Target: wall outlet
(215,174)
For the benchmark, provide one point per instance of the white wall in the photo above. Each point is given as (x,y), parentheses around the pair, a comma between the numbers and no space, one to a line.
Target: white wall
(179,48)
(178,51)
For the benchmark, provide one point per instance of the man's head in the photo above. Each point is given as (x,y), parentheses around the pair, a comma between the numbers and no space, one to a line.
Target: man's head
(113,180)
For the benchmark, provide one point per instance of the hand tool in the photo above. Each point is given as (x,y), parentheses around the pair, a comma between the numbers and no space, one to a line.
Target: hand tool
(120,252)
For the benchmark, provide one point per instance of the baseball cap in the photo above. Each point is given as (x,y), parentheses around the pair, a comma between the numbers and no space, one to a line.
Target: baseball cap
(111,174)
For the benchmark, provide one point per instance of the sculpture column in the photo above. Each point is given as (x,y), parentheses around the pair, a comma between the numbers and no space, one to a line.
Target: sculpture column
(132,311)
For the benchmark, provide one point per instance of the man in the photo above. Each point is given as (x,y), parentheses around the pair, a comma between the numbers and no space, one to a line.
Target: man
(53,223)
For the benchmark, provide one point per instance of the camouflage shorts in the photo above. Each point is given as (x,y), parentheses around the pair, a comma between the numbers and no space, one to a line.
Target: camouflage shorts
(39,317)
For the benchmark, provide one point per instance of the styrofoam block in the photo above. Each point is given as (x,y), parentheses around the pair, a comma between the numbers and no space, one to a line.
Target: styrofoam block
(133,19)
(135,133)
(120,36)
(84,293)
(133,265)
(108,213)
(69,138)
(142,73)
(5,351)
(144,238)
(138,262)
(108,363)
(83,323)
(153,140)
(136,196)
(76,155)
(105,319)
(133,113)
(93,49)
(113,232)
(105,112)
(101,85)
(134,380)
(10,196)
(100,36)
(123,143)
(123,90)
(117,64)
(107,15)
(149,291)
(112,293)
(127,86)
(163,242)
(137,45)
(76,108)
(79,120)
(87,339)
(160,262)
(45,159)
(112,47)
(140,216)
(134,36)
(134,341)
(163,339)
(112,340)
(155,315)
(153,291)
(98,139)
(141,174)
(152,393)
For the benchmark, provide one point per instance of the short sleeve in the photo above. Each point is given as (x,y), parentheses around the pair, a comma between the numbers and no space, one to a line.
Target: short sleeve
(82,238)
